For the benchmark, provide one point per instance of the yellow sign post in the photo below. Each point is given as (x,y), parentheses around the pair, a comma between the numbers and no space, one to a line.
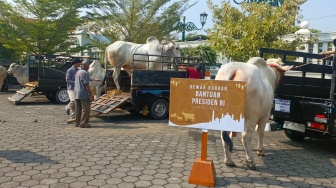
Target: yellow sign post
(208,105)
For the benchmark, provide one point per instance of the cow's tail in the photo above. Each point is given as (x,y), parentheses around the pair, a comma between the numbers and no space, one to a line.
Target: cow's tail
(229,72)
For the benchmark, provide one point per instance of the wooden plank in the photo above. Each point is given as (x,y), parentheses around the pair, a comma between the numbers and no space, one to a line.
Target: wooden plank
(106,103)
(21,94)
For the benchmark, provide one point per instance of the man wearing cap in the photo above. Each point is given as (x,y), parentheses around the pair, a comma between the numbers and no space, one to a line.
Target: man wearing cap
(70,79)
(83,96)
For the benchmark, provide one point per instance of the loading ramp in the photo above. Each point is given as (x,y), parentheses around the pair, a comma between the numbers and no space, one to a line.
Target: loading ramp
(23,93)
(106,103)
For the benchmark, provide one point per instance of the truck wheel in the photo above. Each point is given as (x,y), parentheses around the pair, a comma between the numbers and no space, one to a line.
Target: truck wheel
(159,109)
(62,96)
(295,135)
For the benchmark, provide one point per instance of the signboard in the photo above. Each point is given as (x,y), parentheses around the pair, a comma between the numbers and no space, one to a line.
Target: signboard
(207,104)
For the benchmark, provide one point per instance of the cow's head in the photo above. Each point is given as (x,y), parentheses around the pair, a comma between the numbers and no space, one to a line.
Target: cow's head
(174,48)
(279,66)
(13,68)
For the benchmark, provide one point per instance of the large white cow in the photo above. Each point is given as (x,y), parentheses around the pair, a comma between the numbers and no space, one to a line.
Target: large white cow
(21,73)
(120,55)
(97,72)
(262,78)
(3,75)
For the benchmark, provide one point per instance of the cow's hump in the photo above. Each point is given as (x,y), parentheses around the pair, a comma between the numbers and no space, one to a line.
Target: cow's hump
(151,39)
(257,61)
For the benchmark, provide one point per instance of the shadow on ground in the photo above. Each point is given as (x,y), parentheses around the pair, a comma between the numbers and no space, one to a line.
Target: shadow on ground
(25,156)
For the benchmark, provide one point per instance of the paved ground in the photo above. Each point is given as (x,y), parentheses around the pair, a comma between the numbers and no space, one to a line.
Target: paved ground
(37,149)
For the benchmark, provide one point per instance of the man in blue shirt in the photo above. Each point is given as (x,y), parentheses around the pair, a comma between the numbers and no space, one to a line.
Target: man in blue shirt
(70,79)
(83,96)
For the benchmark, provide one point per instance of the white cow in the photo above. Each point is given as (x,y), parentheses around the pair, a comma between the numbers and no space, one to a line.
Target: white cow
(120,55)
(21,73)
(97,72)
(262,78)
(3,75)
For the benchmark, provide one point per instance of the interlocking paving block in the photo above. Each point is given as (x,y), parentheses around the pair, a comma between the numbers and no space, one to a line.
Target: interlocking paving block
(125,150)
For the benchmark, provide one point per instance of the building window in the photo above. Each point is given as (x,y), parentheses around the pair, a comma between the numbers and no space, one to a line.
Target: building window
(330,46)
(311,48)
(320,47)
(96,55)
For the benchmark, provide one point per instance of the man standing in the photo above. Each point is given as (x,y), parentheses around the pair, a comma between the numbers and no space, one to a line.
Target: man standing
(83,96)
(194,72)
(70,79)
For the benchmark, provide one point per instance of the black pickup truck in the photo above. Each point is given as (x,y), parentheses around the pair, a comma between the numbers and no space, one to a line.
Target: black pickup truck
(304,104)
(46,77)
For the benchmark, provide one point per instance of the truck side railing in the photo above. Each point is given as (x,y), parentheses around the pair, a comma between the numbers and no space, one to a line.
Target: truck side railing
(310,77)
(168,62)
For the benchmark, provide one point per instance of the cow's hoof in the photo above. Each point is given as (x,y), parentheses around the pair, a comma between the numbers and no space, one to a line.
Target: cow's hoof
(230,164)
(260,153)
(250,165)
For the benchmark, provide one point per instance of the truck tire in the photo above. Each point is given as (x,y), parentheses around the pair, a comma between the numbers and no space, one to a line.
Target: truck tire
(61,96)
(159,109)
(295,135)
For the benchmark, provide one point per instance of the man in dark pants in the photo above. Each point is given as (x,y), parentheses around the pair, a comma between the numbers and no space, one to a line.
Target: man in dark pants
(83,96)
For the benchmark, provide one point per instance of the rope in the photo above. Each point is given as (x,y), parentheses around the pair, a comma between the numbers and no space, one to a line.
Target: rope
(296,67)
(327,57)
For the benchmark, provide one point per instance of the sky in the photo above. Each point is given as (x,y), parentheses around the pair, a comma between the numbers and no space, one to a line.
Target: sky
(319,13)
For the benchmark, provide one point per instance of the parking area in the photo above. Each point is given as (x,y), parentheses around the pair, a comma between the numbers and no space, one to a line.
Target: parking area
(38,149)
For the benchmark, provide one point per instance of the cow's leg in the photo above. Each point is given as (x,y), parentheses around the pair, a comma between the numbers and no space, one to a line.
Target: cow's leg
(127,68)
(115,76)
(98,91)
(261,129)
(227,155)
(246,140)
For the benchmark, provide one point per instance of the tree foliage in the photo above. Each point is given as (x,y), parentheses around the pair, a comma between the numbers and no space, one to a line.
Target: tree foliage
(7,54)
(38,26)
(203,51)
(239,33)
(135,20)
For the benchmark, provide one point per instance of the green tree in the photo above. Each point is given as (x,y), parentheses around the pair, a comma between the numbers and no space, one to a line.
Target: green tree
(7,54)
(239,33)
(38,26)
(203,51)
(135,20)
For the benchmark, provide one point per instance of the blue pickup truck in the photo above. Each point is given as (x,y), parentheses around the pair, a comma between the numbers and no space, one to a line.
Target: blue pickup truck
(146,90)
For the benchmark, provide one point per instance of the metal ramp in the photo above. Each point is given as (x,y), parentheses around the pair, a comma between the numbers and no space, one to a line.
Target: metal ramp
(107,103)
(21,94)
